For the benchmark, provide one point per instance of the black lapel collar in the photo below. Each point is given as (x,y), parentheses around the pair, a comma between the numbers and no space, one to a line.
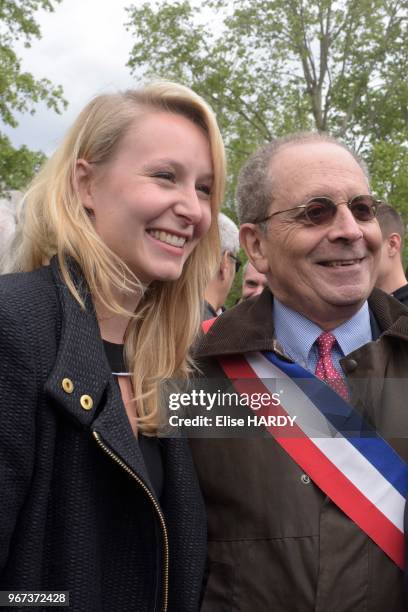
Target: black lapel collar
(81,358)
(80,338)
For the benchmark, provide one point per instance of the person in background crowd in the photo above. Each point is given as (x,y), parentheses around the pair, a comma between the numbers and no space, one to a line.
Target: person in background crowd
(301,517)
(253,282)
(7,224)
(391,277)
(220,284)
(118,239)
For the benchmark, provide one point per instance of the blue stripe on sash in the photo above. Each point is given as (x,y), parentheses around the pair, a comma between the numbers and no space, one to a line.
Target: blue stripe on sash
(348,422)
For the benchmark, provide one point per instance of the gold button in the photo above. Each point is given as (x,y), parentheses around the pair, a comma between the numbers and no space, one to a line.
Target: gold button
(86,402)
(67,385)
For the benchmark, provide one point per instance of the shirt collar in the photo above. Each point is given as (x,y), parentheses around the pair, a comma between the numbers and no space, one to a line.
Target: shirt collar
(355,332)
(297,334)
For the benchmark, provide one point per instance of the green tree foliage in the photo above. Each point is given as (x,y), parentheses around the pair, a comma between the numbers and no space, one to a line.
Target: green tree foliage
(270,67)
(17,166)
(19,90)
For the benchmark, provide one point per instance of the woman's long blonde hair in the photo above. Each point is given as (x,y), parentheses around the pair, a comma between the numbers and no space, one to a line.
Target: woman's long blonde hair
(54,222)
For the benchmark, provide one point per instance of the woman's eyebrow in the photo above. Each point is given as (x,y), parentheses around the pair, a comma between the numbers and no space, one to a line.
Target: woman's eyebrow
(167,161)
(209,176)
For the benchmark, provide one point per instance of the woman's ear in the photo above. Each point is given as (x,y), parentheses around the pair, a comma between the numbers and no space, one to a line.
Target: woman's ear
(83,184)
(253,241)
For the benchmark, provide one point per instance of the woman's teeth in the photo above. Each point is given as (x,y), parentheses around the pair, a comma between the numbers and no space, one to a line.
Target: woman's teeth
(171,239)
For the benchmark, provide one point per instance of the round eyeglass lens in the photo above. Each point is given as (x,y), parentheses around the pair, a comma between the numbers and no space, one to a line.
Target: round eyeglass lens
(363,208)
(320,211)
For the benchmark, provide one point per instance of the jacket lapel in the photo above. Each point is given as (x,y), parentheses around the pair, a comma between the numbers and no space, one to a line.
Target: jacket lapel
(247,327)
(81,359)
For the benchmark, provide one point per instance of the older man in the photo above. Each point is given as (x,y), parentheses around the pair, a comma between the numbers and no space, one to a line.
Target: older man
(7,221)
(303,521)
(253,282)
(219,286)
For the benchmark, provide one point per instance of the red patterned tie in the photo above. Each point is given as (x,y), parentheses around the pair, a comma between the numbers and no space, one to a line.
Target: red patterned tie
(325,369)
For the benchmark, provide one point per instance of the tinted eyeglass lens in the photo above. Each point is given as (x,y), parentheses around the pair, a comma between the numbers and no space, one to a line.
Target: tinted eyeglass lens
(320,211)
(363,208)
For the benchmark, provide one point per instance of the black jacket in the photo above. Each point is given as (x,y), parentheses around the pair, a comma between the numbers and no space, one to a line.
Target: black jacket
(401,295)
(76,508)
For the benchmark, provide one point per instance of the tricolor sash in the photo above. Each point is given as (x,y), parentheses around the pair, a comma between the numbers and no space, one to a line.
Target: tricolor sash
(332,443)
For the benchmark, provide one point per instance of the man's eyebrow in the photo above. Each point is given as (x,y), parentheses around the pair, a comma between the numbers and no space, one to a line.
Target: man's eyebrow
(328,193)
(313,194)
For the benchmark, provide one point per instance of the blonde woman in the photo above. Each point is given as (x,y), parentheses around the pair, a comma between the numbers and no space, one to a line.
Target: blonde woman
(117,241)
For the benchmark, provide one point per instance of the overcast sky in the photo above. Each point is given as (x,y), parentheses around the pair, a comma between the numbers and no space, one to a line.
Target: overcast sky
(84,47)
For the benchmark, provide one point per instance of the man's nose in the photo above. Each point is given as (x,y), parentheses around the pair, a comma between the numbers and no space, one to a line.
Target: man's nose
(344,225)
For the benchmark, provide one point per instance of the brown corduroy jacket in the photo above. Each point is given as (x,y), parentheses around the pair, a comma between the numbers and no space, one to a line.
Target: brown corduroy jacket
(276,542)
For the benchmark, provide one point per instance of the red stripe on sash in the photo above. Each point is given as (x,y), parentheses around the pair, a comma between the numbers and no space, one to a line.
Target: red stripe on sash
(322,471)
(206,325)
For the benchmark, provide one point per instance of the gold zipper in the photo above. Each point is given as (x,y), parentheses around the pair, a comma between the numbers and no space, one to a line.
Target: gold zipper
(111,454)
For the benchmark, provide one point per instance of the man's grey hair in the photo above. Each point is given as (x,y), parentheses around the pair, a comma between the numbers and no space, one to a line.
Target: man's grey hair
(229,234)
(255,188)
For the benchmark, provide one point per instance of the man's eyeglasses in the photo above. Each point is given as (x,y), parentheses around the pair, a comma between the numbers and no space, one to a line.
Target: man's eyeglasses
(320,210)
(237,262)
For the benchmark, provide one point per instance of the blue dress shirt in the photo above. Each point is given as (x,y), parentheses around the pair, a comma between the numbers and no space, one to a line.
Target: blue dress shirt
(297,335)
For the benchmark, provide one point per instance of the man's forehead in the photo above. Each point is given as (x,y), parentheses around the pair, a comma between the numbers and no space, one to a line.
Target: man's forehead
(252,272)
(317,168)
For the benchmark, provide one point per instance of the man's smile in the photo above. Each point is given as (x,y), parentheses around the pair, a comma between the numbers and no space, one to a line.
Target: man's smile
(337,263)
